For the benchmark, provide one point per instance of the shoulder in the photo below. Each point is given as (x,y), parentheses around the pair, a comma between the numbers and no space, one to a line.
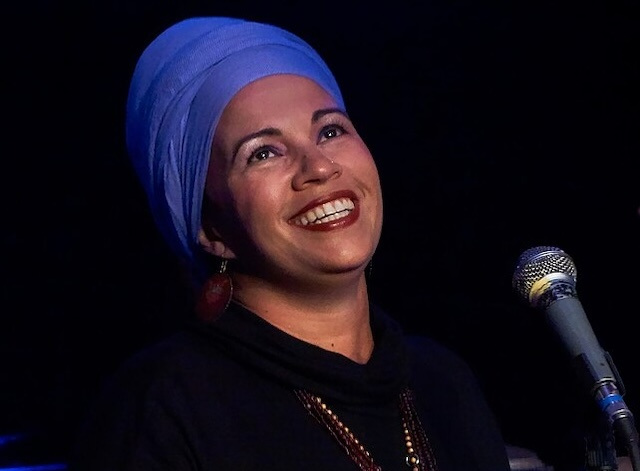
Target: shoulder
(450,398)
(158,368)
(161,355)
(427,357)
(423,351)
(427,351)
(140,406)
(431,360)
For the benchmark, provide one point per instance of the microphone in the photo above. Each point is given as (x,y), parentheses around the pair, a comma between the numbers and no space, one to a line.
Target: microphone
(545,277)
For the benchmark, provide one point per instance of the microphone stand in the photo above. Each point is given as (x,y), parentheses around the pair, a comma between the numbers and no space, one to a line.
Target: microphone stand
(626,428)
(619,423)
(600,452)
(621,420)
(601,449)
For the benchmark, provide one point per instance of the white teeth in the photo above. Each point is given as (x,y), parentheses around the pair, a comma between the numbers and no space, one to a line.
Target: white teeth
(326,212)
(310,216)
(328,208)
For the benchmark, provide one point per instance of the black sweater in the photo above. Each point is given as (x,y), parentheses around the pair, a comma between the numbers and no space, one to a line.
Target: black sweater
(219,397)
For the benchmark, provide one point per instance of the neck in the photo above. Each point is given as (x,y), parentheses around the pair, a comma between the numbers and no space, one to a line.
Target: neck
(335,319)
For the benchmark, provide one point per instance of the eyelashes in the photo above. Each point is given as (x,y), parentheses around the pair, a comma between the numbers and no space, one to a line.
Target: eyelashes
(262,153)
(331,131)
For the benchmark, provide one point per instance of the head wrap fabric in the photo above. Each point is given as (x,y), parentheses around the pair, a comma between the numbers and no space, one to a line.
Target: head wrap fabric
(180,86)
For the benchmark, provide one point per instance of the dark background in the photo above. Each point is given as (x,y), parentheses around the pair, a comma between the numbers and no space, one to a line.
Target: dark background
(497,126)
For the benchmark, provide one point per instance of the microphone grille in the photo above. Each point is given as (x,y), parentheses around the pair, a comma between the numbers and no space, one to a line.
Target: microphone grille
(538,263)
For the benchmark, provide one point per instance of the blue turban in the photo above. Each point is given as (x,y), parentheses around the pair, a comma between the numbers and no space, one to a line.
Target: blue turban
(180,86)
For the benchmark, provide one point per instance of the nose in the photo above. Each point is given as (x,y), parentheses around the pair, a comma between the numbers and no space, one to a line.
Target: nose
(315,167)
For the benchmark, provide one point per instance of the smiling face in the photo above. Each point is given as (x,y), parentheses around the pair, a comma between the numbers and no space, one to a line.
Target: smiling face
(292,190)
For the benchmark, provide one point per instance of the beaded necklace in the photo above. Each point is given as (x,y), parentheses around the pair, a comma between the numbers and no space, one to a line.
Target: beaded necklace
(419,455)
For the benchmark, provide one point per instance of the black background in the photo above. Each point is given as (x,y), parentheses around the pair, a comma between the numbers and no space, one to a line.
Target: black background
(497,126)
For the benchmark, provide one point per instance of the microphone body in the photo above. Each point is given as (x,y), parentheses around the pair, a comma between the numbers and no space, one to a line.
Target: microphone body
(546,277)
(594,366)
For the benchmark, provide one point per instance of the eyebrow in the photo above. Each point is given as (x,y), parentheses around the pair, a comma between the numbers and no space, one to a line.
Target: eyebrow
(320,113)
(317,115)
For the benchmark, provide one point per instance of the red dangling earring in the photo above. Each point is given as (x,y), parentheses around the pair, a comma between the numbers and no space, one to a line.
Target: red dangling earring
(215,295)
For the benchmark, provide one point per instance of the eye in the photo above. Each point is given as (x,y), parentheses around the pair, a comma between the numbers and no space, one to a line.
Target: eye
(331,131)
(262,153)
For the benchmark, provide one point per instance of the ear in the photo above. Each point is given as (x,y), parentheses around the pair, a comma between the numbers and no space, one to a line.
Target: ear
(213,244)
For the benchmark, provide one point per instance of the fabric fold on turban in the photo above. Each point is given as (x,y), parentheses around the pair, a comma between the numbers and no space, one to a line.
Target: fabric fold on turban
(180,86)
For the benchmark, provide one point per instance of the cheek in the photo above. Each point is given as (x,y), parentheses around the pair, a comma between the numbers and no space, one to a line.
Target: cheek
(365,166)
(367,172)
(258,201)
(360,153)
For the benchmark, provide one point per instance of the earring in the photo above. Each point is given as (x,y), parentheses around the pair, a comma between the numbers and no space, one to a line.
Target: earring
(215,295)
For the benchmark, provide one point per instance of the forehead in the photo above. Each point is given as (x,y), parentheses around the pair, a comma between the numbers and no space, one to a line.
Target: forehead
(276,94)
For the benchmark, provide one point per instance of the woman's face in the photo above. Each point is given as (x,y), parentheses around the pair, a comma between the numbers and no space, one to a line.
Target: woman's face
(293,189)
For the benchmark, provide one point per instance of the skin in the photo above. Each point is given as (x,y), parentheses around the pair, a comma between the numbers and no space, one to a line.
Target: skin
(282,148)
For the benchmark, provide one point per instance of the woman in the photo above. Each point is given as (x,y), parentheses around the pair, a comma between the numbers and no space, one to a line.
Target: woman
(263,187)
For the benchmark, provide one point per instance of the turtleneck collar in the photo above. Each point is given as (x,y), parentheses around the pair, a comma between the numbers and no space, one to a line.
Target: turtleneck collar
(257,344)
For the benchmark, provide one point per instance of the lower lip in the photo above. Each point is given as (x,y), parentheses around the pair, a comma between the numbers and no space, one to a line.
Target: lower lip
(338,223)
